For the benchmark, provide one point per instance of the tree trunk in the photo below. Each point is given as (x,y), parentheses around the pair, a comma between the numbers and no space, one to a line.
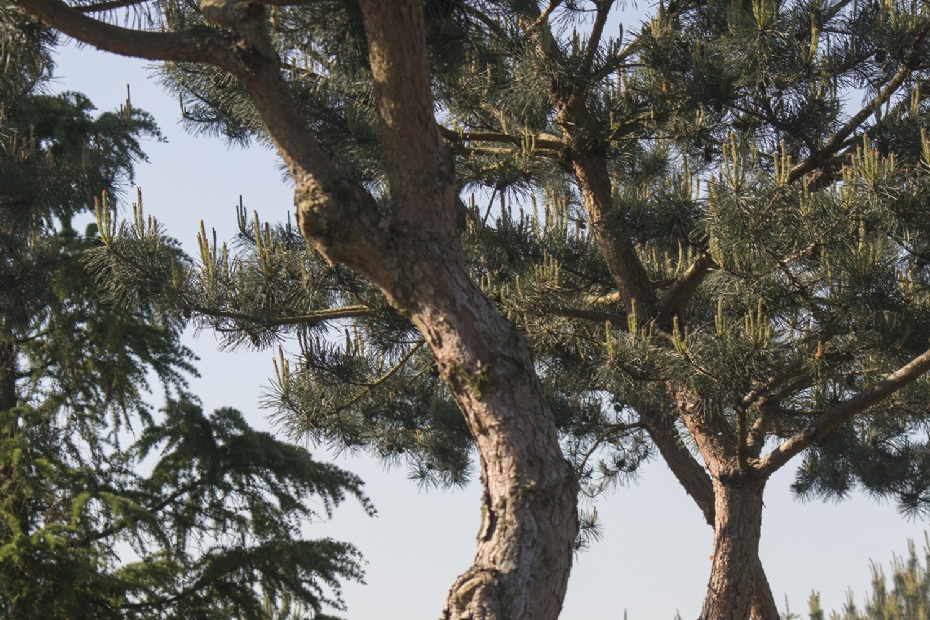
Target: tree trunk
(413,254)
(737,527)
(697,484)
(763,603)
(7,375)
(529,517)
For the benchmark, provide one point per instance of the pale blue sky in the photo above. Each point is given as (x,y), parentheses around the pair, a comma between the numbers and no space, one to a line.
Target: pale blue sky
(654,558)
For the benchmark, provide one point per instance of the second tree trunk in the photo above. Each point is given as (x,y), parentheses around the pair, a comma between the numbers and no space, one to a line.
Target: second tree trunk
(737,528)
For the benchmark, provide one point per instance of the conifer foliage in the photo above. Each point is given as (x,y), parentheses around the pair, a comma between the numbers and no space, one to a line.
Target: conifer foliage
(713,232)
(107,509)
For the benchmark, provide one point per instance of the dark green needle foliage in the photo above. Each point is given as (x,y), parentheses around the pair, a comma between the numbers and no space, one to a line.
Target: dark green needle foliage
(109,510)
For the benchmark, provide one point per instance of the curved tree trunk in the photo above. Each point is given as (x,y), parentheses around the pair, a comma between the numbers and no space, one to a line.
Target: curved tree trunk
(737,528)
(529,524)
(529,520)
(414,256)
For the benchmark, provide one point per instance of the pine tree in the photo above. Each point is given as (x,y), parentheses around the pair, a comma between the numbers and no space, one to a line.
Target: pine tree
(908,599)
(715,255)
(108,510)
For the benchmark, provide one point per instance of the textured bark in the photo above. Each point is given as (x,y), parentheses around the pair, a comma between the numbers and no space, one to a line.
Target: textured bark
(615,243)
(529,520)
(737,528)
(414,256)
(763,603)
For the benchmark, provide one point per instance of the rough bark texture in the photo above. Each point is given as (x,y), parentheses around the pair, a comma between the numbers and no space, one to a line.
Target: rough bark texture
(737,527)
(529,519)
(763,603)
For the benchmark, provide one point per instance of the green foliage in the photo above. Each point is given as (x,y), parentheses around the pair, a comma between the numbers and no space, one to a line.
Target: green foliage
(215,522)
(727,140)
(908,598)
(109,510)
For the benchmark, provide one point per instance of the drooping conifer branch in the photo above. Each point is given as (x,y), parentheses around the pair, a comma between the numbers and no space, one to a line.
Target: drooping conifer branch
(314,318)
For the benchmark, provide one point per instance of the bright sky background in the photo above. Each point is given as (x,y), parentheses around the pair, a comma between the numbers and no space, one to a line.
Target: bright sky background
(654,558)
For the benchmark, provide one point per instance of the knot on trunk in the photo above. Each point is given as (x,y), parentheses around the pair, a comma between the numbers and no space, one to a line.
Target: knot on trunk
(475,595)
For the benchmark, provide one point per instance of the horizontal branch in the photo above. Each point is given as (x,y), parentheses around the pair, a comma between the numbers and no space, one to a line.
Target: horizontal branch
(203,45)
(836,416)
(618,320)
(540,141)
(330,314)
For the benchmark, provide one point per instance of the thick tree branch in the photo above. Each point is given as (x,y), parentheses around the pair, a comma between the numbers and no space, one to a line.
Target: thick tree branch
(713,435)
(193,46)
(618,320)
(690,474)
(420,170)
(540,141)
(101,7)
(544,16)
(677,297)
(832,419)
(613,237)
(333,210)
(597,31)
